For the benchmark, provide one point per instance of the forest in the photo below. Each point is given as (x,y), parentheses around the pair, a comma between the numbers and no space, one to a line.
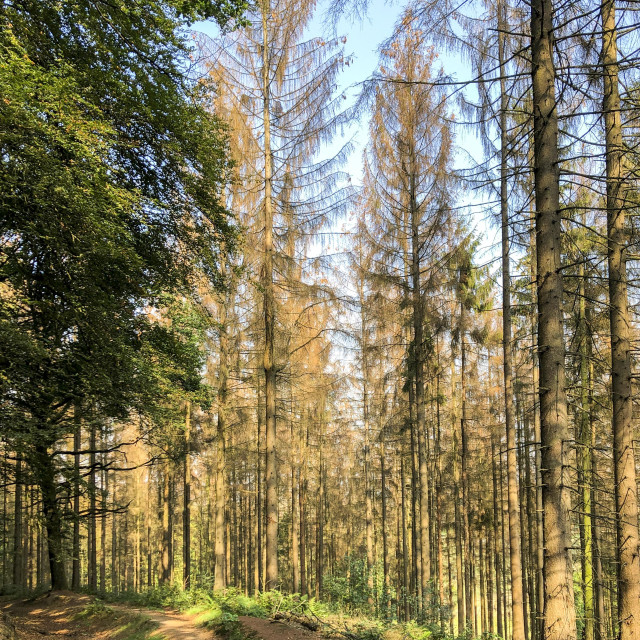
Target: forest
(385,378)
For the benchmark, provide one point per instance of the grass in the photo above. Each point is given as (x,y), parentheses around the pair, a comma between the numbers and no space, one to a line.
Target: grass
(118,625)
(219,610)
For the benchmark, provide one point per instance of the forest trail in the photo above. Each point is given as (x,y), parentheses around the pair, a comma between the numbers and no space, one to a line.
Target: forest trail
(48,616)
(171,625)
(56,616)
(275,630)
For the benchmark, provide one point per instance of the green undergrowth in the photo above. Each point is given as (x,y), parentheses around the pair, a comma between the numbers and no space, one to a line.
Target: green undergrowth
(220,610)
(118,625)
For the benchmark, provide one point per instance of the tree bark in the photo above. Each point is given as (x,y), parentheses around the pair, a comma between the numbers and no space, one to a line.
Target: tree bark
(271,471)
(45,474)
(77,446)
(559,610)
(92,541)
(515,556)
(496,536)
(626,491)
(186,511)
(166,554)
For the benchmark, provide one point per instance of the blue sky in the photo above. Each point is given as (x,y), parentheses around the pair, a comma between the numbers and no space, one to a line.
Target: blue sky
(363,40)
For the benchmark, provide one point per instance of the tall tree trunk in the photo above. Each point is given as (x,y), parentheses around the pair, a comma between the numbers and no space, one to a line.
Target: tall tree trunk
(45,474)
(559,610)
(166,554)
(295,507)
(367,446)
(259,493)
(418,357)
(383,532)
(75,552)
(405,550)
(464,474)
(271,471)
(4,520)
(103,516)
(626,490)
(304,582)
(515,556)
(320,513)
(585,457)
(18,549)
(457,506)
(220,578)
(535,377)
(92,540)
(114,538)
(598,578)
(186,511)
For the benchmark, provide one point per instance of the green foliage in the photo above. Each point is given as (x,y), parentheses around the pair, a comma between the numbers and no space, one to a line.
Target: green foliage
(96,609)
(348,587)
(413,631)
(227,13)
(118,625)
(367,630)
(112,169)
(219,610)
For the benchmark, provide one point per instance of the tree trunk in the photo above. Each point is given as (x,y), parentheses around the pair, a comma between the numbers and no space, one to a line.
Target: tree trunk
(271,471)
(77,446)
(259,496)
(464,475)
(535,376)
(114,539)
(103,515)
(559,611)
(45,474)
(457,506)
(515,556)
(166,554)
(367,447)
(418,367)
(320,514)
(585,478)
(405,550)
(304,582)
(383,532)
(186,511)
(295,511)
(626,490)
(92,541)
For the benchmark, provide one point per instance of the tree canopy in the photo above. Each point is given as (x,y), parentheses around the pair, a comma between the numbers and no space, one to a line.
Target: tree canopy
(112,170)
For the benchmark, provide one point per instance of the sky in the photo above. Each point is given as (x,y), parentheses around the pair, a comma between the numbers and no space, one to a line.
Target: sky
(364,38)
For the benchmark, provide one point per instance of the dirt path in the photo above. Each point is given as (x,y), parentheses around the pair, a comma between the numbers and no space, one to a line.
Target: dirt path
(171,625)
(270,630)
(54,617)
(48,617)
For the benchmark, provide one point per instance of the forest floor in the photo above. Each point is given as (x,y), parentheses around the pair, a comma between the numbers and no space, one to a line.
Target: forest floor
(275,630)
(70,615)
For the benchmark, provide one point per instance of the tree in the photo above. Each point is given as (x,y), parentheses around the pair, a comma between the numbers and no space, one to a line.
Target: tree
(559,612)
(284,89)
(626,490)
(111,174)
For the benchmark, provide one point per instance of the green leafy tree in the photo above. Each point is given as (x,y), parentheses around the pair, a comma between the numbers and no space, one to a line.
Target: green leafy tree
(111,170)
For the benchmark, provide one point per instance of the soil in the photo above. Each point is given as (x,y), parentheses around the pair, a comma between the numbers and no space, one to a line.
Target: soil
(53,616)
(171,625)
(276,630)
(47,617)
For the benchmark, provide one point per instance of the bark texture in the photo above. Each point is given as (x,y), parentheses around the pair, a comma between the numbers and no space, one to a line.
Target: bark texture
(559,607)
